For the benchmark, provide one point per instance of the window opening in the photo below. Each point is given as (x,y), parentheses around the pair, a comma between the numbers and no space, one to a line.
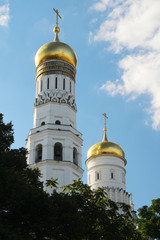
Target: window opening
(58,151)
(70,87)
(97,176)
(41,85)
(48,83)
(63,83)
(58,122)
(56,83)
(38,153)
(75,159)
(43,123)
(111,175)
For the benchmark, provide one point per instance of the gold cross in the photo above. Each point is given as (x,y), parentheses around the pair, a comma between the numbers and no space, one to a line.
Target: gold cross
(105,117)
(57,15)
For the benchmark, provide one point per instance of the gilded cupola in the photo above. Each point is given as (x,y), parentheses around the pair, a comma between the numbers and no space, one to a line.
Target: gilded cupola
(105,147)
(56,50)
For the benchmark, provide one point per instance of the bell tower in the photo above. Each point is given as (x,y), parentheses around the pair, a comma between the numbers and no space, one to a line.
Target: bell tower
(106,168)
(54,143)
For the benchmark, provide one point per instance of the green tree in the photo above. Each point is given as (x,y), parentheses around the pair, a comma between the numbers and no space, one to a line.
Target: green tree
(89,215)
(76,213)
(23,203)
(149,220)
(6,135)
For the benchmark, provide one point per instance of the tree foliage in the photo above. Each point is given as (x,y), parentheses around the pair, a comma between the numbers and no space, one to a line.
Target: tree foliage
(76,213)
(6,135)
(22,199)
(149,220)
(90,215)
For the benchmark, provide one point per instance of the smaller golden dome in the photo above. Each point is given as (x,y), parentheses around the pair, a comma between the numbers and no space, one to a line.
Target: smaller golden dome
(105,147)
(56,50)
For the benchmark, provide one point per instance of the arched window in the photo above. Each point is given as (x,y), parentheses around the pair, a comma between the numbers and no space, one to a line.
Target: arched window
(38,153)
(56,82)
(42,123)
(58,152)
(70,87)
(75,158)
(57,122)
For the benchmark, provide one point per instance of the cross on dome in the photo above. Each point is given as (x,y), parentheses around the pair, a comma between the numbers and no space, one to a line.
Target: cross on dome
(56,29)
(57,15)
(105,129)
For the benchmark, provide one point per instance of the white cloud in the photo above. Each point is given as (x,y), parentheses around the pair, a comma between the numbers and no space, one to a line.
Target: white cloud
(134,25)
(102,5)
(93,20)
(140,76)
(4,15)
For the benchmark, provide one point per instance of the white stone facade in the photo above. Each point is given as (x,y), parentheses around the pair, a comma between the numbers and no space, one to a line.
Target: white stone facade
(65,172)
(108,171)
(54,144)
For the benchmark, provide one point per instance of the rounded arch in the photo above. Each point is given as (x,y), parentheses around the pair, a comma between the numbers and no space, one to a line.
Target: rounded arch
(63,100)
(75,156)
(39,149)
(57,122)
(58,151)
(54,99)
(42,123)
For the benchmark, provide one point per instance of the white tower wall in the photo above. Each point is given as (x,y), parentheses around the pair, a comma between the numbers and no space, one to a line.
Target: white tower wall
(108,171)
(54,144)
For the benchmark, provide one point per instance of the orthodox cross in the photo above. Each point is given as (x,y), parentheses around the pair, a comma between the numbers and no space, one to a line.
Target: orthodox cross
(105,129)
(57,15)
(105,117)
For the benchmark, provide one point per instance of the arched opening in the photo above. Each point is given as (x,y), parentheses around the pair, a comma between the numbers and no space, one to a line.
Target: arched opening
(42,123)
(57,122)
(38,153)
(58,152)
(75,157)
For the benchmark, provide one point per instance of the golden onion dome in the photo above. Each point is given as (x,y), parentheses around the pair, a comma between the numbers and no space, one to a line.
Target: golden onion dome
(105,147)
(56,50)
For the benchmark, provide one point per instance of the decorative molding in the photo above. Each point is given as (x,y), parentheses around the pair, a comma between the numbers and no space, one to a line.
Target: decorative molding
(56,67)
(57,96)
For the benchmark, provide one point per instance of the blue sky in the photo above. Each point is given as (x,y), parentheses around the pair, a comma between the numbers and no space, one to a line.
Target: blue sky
(118,48)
